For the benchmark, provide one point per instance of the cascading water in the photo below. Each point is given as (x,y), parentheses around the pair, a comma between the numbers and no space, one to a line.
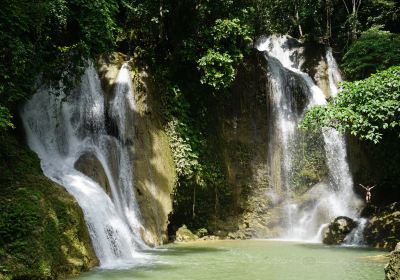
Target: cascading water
(61,128)
(326,200)
(356,236)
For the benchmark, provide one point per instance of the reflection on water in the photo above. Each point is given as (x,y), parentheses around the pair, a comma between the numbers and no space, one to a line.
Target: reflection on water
(252,259)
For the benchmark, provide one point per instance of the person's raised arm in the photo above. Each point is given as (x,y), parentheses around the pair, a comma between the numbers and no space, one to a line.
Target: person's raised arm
(363,186)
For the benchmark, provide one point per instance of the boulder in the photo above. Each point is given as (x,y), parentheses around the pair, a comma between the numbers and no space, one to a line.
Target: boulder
(237,235)
(210,238)
(392,269)
(90,165)
(183,234)
(202,232)
(338,230)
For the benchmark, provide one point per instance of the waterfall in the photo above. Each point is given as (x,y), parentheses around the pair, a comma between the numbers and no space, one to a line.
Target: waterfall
(62,128)
(356,236)
(292,91)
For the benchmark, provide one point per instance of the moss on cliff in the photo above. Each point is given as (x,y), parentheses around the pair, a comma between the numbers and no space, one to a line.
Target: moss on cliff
(43,234)
(153,167)
(383,229)
(392,269)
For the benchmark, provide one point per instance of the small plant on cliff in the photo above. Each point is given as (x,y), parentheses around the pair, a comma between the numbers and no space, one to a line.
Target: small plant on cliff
(200,181)
(218,64)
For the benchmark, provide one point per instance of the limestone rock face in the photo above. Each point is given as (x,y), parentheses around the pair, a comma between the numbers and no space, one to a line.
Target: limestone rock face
(338,229)
(153,168)
(253,167)
(383,230)
(183,234)
(392,269)
(89,165)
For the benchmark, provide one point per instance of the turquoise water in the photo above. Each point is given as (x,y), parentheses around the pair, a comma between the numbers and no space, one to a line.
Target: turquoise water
(251,260)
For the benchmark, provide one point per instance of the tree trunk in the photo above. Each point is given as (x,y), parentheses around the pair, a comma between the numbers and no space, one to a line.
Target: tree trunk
(194,203)
(298,21)
(216,207)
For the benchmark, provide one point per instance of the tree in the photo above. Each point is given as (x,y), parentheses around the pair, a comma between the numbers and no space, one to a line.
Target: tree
(48,40)
(352,8)
(374,50)
(381,12)
(367,108)
(5,119)
(218,65)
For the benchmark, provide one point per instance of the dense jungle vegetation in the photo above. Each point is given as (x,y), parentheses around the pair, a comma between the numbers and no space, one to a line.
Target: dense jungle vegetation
(194,48)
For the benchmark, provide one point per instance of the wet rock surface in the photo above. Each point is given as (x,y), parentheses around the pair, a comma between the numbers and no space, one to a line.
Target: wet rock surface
(89,165)
(383,229)
(392,269)
(338,230)
(148,146)
(183,234)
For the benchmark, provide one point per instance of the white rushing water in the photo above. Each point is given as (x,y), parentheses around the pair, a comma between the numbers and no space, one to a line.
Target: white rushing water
(63,127)
(328,199)
(356,236)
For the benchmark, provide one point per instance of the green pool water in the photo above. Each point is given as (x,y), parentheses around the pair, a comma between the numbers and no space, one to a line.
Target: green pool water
(251,260)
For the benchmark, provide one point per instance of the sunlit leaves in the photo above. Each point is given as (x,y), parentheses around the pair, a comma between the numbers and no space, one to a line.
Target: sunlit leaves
(228,38)
(367,109)
(5,118)
(217,68)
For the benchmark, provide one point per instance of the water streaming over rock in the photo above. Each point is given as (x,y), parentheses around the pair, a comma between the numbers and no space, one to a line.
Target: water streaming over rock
(64,128)
(292,92)
(356,236)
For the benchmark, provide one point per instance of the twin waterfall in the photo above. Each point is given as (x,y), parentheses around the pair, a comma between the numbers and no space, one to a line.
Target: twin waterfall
(85,130)
(65,129)
(293,91)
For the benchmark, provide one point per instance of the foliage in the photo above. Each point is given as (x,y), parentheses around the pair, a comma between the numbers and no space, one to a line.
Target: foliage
(41,226)
(188,144)
(218,65)
(375,50)
(47,40)
(185,157)
(381,12)
(367,109)
(279,16)
(5,118)
(173,33)
(199,175)
(217,68)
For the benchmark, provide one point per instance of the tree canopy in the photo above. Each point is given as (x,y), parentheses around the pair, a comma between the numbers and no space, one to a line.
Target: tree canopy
(200,43)
(48,40)
(374,50)
(367,108)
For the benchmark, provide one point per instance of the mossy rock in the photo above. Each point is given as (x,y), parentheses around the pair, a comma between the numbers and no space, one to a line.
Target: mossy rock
(383,230)
(183,234)
(338,230)
(392,269)
(43,234)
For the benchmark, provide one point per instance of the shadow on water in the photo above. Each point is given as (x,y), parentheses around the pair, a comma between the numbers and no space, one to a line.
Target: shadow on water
(137,272)
(144,271)
(314,246)
(181,251)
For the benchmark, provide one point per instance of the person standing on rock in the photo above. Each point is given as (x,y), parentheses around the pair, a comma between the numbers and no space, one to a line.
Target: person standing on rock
(368,194)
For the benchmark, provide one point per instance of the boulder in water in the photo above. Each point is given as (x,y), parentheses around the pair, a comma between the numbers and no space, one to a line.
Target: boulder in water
(338,230)
(392,269)
(183,234)
(89,165)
